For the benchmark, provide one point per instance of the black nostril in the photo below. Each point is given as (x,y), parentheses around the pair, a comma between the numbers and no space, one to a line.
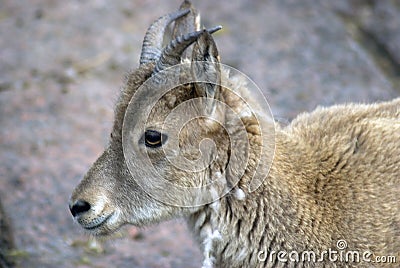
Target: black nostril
(79,207)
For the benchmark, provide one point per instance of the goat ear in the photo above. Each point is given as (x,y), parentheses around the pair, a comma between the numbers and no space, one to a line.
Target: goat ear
(205,68)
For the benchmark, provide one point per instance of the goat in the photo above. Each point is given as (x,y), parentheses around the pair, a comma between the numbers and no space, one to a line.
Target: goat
(329,180)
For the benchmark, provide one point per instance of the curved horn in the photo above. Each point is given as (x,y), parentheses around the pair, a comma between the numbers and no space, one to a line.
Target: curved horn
(187,24)
(152,43)
(171,55)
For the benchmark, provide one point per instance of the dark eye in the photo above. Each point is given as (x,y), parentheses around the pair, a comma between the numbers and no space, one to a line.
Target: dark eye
(153,139)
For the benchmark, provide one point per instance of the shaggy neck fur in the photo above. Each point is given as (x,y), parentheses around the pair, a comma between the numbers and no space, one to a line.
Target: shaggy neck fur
(310,199)
(233,230)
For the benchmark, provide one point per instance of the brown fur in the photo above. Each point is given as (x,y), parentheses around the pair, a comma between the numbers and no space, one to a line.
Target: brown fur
(335,175)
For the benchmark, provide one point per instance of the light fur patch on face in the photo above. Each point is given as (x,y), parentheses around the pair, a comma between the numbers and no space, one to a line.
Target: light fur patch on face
(142,214)
(113,220)
(100,204)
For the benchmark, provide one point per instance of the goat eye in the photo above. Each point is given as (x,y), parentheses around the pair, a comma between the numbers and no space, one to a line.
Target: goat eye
(153,139)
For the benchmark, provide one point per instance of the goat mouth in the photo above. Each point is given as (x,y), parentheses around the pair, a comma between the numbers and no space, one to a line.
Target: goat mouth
(99,222)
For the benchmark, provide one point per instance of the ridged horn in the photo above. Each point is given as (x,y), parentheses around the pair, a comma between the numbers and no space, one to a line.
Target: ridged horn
(171,55)
(152,42)
(187,24)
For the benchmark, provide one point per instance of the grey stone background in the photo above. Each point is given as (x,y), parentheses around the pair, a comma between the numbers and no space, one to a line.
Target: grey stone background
(62,64)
